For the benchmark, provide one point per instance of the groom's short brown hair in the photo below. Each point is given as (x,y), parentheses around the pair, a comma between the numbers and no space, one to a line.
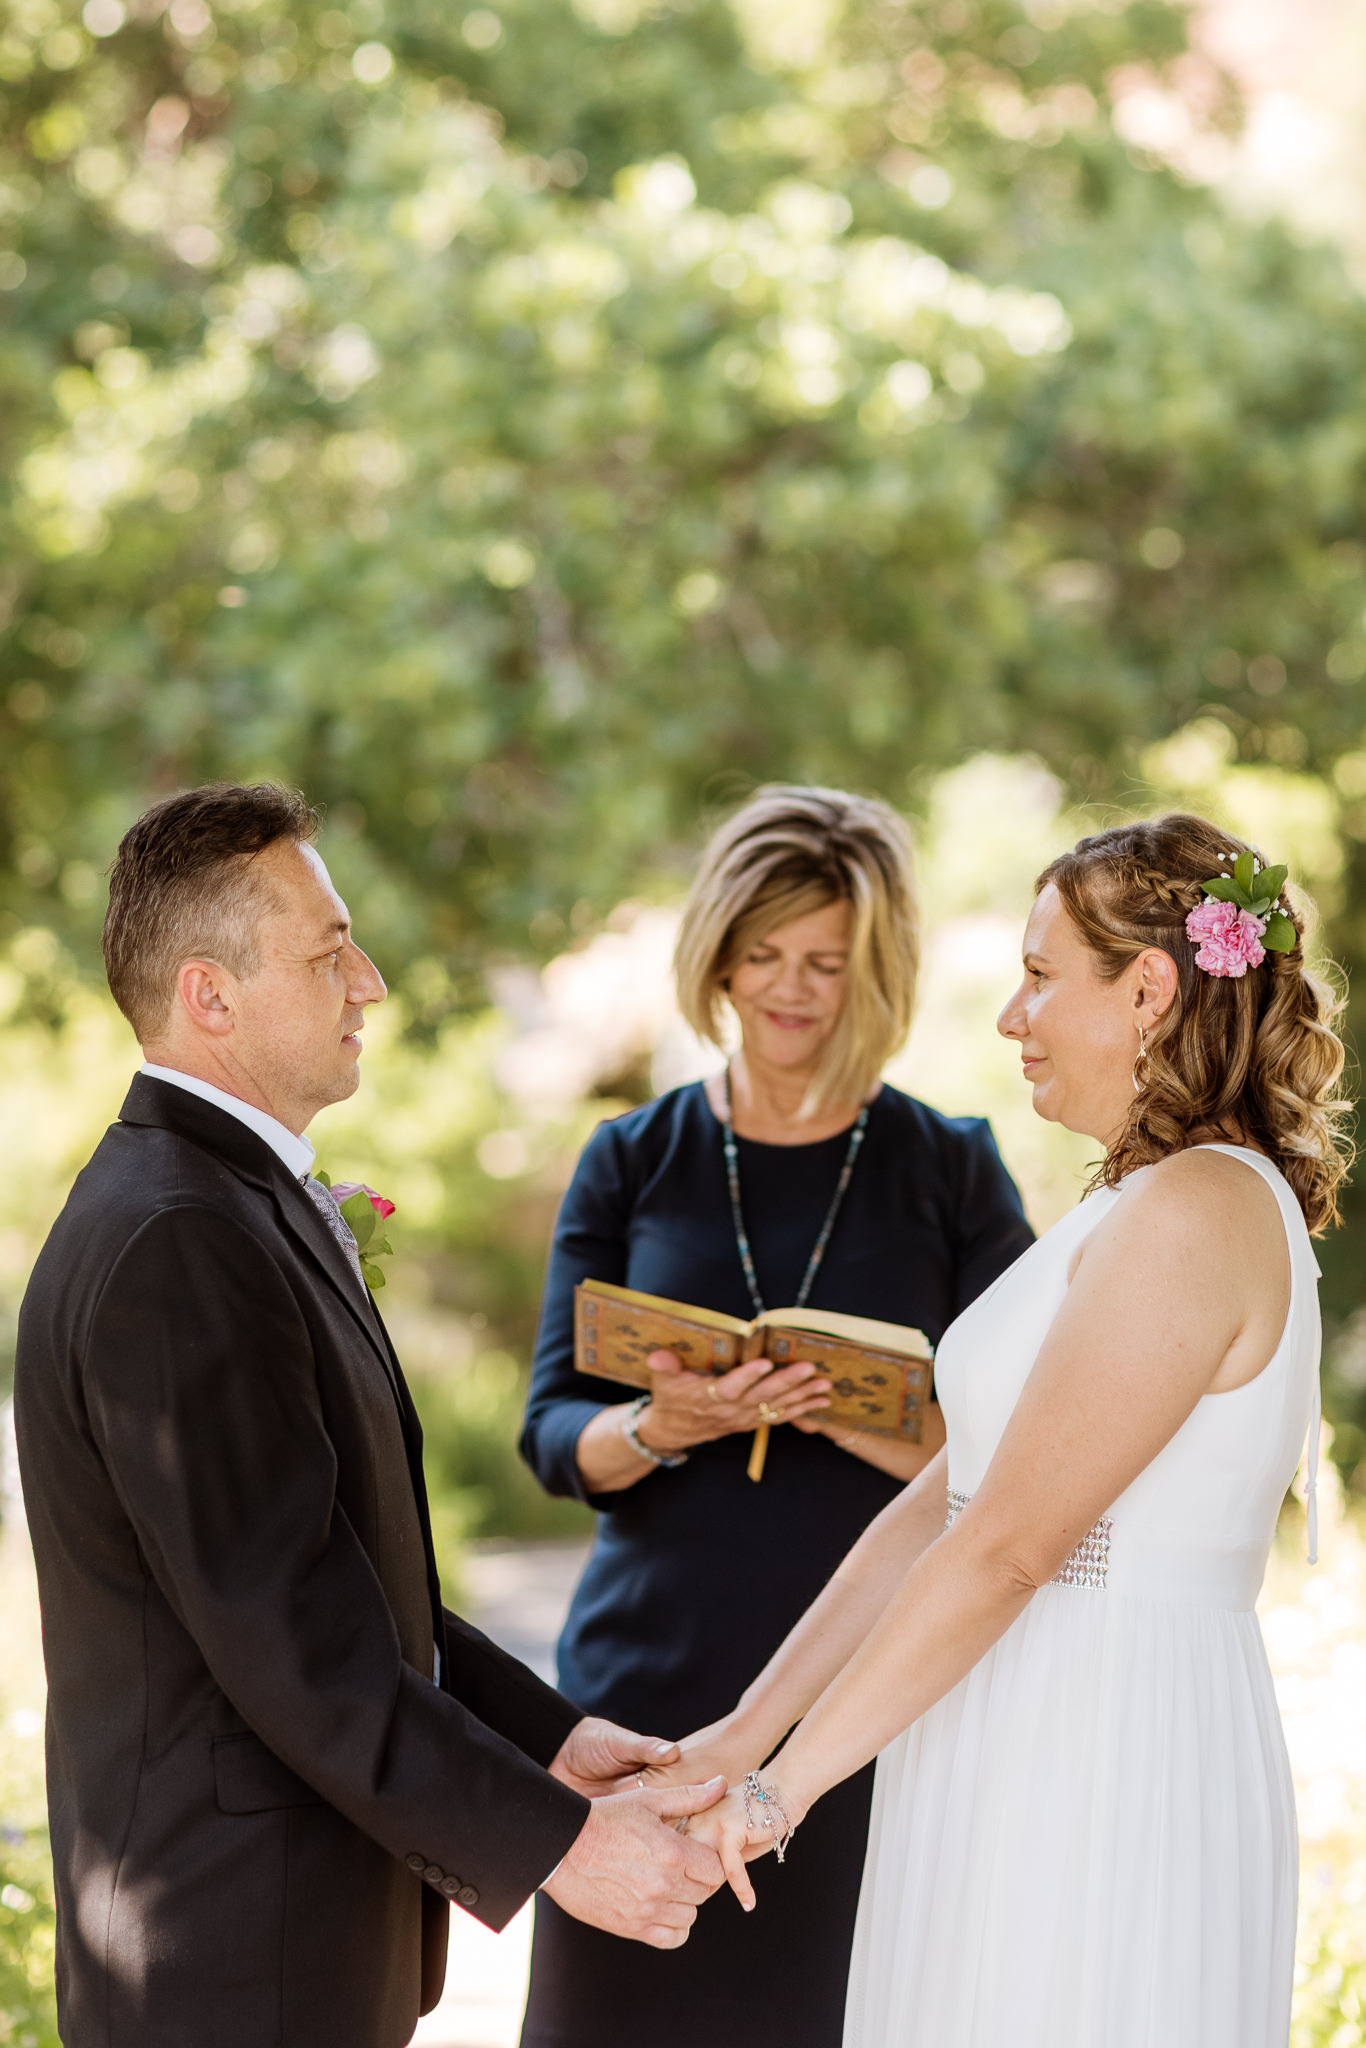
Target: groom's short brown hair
(183,887)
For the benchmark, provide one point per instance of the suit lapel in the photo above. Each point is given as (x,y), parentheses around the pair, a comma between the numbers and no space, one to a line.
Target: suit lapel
(202,1123)
(307,1228)
(412,1439)
(305,1224)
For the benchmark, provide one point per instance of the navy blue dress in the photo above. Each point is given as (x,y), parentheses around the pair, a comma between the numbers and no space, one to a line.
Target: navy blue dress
(697,1573)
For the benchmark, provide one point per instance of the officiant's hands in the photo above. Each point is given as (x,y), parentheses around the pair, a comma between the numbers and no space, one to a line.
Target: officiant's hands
(597,1757)
(630,1871)
(688,1408)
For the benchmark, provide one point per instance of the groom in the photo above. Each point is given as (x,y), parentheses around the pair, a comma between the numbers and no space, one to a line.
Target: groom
(273,1756)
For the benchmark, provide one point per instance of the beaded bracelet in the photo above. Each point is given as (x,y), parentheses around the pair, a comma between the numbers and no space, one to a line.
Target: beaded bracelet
(756,1793)
(633,1437)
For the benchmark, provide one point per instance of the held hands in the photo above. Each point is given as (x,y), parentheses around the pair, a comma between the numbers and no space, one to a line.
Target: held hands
(720,1750)
(597,1758)
(688,1408)
(697,1771)
(631,1873)
(737,1840)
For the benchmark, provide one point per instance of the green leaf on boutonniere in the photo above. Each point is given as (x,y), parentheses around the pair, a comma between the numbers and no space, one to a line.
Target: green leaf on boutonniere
(1271,881)
(1243,871)
(361,1219)
(1222,889)
(1279,936)
(364,1214)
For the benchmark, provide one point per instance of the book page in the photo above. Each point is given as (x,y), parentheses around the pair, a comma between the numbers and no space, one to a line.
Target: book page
(862,1330)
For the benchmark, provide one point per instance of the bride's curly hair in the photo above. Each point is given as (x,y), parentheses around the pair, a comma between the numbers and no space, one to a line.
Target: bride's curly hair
(1251,1059)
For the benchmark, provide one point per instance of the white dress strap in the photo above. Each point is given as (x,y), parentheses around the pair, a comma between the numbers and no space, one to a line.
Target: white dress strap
(1276,1181)
(1311,1492)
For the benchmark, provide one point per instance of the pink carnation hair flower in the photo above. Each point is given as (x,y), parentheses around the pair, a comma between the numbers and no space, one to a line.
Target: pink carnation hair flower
(344,1189)
(1229,939)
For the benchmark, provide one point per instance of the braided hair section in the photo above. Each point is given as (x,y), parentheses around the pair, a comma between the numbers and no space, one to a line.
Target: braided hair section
(1178,898)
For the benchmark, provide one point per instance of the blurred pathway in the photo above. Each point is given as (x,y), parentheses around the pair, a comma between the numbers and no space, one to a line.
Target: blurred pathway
(517,1593)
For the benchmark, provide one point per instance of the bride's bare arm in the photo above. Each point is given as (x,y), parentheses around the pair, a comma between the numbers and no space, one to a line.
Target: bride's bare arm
(824,1639)
(1184,1287)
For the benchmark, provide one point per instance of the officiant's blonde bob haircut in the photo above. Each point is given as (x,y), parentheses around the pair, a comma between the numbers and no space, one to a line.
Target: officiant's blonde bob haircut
(788,851)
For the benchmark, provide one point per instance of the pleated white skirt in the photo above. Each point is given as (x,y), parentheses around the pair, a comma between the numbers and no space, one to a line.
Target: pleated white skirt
(1089,1843)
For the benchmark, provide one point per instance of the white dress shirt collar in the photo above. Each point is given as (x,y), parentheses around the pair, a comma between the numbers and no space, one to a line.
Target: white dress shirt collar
(297,1153)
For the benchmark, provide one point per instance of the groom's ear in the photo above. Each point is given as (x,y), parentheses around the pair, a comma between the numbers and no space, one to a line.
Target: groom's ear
(203,990)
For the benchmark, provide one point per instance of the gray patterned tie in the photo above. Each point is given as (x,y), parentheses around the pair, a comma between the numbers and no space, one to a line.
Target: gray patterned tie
(325,1202)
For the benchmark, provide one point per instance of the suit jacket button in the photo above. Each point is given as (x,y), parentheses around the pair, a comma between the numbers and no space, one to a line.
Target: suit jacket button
(433,1873)
(449,1887)
(416,1862)
(467,1895)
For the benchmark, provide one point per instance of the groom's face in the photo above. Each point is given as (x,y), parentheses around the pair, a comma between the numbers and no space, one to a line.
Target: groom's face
(297,1020)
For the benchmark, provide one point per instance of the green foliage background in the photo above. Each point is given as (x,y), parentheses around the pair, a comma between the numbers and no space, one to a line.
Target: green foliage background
(520,426)
(27,1925)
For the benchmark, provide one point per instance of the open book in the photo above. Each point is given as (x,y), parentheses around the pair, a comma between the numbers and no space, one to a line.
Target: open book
(879,1373)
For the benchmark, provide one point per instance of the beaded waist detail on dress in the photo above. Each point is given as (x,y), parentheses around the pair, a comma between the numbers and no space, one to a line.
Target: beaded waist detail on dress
(1088,1564)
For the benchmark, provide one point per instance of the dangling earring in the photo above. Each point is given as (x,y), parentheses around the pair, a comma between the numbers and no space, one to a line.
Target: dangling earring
(1140,1058)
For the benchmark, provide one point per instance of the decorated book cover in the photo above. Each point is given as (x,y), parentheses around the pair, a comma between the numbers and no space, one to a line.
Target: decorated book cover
(879,1373)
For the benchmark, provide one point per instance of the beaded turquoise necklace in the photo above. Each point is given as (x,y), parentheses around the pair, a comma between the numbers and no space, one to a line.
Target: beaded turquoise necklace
(813,1264)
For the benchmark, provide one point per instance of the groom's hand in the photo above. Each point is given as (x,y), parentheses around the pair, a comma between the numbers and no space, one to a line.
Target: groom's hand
(631,1873)
(598,1757)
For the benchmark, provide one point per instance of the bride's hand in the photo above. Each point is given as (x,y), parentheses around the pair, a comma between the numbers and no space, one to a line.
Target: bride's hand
(723,1828)
(719,1750)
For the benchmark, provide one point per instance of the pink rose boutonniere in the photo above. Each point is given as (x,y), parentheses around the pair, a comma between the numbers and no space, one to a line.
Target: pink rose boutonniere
(364,1211)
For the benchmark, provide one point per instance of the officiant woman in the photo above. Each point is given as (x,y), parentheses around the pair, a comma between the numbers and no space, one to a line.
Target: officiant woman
(795,1177)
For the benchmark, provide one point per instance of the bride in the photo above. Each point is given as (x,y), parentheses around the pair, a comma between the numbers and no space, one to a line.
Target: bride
(1083,1830)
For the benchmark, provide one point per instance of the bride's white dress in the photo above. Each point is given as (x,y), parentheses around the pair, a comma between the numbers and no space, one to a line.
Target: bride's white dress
(1090,1842)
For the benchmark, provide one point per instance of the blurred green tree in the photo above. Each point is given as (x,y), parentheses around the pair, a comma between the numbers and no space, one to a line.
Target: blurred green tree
(514,426)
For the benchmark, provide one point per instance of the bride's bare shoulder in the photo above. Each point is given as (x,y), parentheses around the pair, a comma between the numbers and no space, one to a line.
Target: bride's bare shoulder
(1202,1201)
(1204,1173)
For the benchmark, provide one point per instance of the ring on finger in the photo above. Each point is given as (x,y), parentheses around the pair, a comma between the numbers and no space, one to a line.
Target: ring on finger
(767,1414)
(712,1394)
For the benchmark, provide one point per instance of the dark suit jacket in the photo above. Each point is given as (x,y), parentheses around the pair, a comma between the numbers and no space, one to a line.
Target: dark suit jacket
(260,1801)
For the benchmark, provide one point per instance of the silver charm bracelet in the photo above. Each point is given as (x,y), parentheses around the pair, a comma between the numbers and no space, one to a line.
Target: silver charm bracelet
(756,1793)
(631,1432)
